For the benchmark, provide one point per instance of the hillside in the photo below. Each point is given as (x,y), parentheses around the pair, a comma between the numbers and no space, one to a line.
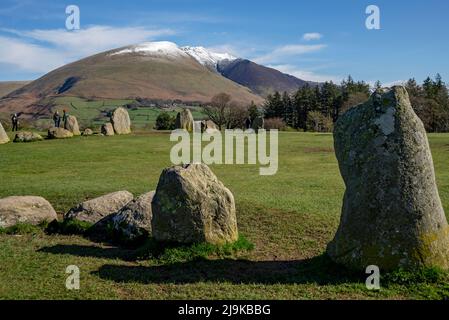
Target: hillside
(157,70)
(10,86)
(260,79)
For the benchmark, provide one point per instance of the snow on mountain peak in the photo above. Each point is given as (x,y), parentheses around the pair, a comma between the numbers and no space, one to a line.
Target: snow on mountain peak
(160,48)
(207,57)
(165,48)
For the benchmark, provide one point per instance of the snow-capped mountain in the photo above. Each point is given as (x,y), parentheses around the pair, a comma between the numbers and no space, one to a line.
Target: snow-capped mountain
(208,58)
(168,49)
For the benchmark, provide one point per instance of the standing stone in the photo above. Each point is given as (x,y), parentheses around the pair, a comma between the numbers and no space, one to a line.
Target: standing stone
(121,121)
(3,136)
(26,209)
(107,129)
(25,136)
(59,133)
(134,220)
(209,126)
(184,120)
(191,206)
(96,209)
(392,215)
(72,125)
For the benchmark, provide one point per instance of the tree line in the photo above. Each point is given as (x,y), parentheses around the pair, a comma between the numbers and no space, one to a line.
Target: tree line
(317,108)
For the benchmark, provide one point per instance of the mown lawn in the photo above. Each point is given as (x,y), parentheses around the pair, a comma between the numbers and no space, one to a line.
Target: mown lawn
(289,217)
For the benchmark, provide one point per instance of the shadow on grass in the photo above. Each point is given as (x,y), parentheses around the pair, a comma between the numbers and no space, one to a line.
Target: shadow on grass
(318,270)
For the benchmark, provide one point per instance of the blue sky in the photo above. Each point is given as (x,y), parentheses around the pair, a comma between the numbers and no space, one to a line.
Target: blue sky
(412,41)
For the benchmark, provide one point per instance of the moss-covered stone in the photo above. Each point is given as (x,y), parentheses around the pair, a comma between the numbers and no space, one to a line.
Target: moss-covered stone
(192,206)
(392,214)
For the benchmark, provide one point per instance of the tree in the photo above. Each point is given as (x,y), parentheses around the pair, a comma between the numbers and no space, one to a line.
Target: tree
(274,107)
(225,112)
(253,111)
(165,121)
(217,109)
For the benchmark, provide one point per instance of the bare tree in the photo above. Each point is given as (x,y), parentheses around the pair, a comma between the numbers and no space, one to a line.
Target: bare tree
(217,109)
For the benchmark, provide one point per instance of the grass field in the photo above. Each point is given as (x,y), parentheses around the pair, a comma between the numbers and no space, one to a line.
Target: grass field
(289,217)
(92,113)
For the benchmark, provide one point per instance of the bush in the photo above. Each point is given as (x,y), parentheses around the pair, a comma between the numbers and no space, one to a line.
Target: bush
(275,123)
(165,121)
(318,122)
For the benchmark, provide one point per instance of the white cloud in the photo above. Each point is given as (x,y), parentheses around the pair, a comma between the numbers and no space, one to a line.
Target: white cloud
(304,74)
(312,36)
(279,54)
(44,50)
(29,57)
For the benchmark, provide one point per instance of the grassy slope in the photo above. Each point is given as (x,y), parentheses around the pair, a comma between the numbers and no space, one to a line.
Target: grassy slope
(9,86)
(289,217)
(127,76)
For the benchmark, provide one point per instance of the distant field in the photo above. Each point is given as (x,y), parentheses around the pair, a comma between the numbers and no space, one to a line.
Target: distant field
(91,113)
(290,217)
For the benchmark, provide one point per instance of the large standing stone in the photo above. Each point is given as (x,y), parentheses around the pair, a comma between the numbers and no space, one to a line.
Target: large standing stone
(59,133)
(3,136)
(191,205)
(134,220)
(72,125)
(184,120)
(107,129)
(392,215)
(25,136)
(121,121)
(96,209)
(27,209)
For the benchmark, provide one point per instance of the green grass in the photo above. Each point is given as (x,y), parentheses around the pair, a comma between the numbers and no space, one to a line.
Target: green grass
(288,217)
(90,113)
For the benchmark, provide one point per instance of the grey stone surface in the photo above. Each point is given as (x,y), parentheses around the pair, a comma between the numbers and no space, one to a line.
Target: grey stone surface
(3,136)
(72,125)
(59,133)
(184,120)
(96,209)
(25,209)
(26,136)
(191,206)
(107,129)
(120,121)
(392,215)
